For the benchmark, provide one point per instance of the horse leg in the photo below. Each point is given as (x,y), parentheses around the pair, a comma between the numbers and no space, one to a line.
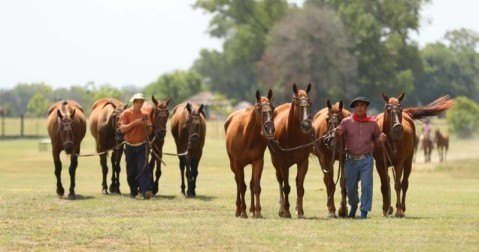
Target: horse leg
(182,171)
(240,201)
(156,186)
(328,179)
(104,171)
(398,188)
(72,171)
(405,183)
(255,187)
(193,169)
(115,171)
(343,209)
(279,178)
(286,190)
(385,189)
(58,174)
(302,170)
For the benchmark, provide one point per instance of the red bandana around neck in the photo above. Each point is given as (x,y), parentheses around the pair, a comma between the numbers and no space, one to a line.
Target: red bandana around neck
(364,119)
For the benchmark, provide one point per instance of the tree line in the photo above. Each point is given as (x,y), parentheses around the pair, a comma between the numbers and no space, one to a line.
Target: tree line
(344,48)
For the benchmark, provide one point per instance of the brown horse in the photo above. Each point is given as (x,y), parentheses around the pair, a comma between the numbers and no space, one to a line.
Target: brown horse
(188,127)
(397,123)
(442,144)
(103,121)
(158,112)
(427,145)
(247,132)
(292,122)
(324,122)
(66,127)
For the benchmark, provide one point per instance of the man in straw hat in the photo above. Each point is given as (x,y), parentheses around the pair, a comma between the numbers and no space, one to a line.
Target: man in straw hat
(136,126)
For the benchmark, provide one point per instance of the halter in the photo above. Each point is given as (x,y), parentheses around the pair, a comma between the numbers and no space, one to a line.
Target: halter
(115,118)
(194,129)
(161,117)
(395,126)
(266,110)
(304,105)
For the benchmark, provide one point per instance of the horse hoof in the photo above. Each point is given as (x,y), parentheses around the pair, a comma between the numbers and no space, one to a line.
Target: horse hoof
(104,191)
(71,196)
(286,215)
(301,216)
(60,192)
(391,210)
(332,215)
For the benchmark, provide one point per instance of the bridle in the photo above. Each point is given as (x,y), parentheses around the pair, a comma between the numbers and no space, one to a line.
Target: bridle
(193,126)
(266,109)
(159,124)
(304,106)
(66,130)
(115,118)
(394,113)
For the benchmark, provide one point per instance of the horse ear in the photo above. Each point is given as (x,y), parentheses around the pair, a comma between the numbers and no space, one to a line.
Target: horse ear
(328,103)
(154,100)
(295,88)
(270,94)
(258,95)
(126,106)
(188,107)
(401,96)
(167,102)
(200,110)
(385,97)
(60,115)
(73,114)
(308,88)
(341,105)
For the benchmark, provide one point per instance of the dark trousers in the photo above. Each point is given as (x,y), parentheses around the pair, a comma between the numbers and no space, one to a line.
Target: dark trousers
(137,169)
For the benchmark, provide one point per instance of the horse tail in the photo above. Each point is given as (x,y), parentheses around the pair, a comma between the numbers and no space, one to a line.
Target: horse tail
(434,108)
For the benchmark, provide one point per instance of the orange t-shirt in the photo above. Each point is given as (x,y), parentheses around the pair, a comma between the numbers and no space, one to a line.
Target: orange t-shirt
(137,134)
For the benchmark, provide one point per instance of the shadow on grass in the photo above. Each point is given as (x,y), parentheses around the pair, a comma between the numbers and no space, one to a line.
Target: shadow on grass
(77,197)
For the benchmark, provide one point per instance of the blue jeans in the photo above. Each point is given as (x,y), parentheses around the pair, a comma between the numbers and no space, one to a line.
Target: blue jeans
(356,170)
(137,170)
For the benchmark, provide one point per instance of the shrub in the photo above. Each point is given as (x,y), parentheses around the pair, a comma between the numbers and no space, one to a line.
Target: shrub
(463,118)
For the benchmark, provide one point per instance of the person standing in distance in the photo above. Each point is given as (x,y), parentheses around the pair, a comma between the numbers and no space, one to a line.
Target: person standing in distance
(361,133)
(136,126)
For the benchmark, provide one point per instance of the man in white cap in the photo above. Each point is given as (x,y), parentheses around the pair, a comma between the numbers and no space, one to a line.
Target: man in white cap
(361,133)
(135,124)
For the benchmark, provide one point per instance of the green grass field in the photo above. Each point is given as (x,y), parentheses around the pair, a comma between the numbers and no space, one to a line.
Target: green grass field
(442,207)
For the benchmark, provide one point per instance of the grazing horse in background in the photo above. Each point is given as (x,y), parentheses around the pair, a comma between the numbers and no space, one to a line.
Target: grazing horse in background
(427,146)
(330,150)
(292,123)
(247,132)
(442,144)
(188,127)
(66,127)
(158,112)
(397,123)
(104,127)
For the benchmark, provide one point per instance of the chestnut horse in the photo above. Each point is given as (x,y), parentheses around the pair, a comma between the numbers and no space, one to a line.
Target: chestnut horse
(188,127)
(158,112)
(292,122)
(103,121)
(66,127)
(427,145)
(442,144)
(247,132)
(397,123)
(324,122)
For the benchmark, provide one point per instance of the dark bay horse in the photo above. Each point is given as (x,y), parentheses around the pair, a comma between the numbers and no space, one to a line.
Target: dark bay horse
(292,123)
(427,145)
(442,144)
(324,122)
(66,127)
(188,127)
(247,132)
(397,123)
(103,121)
(158,112)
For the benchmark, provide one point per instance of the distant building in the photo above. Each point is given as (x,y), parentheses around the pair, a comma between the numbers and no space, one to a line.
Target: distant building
(242,105)
(215,106)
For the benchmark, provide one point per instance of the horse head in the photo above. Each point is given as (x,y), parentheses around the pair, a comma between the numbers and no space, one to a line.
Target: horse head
(66,123)
(393,114)
(193,124)
(335,114)
(302,103)
(264,113)
(160,117)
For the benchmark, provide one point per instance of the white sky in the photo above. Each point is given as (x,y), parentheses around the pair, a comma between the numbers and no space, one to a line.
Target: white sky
(122,42)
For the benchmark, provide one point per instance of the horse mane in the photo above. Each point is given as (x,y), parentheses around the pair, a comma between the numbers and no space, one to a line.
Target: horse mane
(434,108)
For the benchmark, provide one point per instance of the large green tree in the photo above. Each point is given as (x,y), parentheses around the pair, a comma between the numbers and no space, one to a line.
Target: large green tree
(243,25)
(177,86)
(388,59)
(310,45)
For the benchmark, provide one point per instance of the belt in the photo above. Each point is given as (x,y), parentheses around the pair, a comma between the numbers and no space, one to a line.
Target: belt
(357,157)
(134,144)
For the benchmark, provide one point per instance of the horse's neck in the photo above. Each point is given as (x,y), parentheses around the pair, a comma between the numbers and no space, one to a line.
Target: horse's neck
(291,125)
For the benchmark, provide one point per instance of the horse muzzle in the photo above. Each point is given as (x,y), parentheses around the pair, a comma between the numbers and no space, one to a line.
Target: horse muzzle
(161,133)
(306,126)
(397,130)
(68,147)
(194,139)
(268,129)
